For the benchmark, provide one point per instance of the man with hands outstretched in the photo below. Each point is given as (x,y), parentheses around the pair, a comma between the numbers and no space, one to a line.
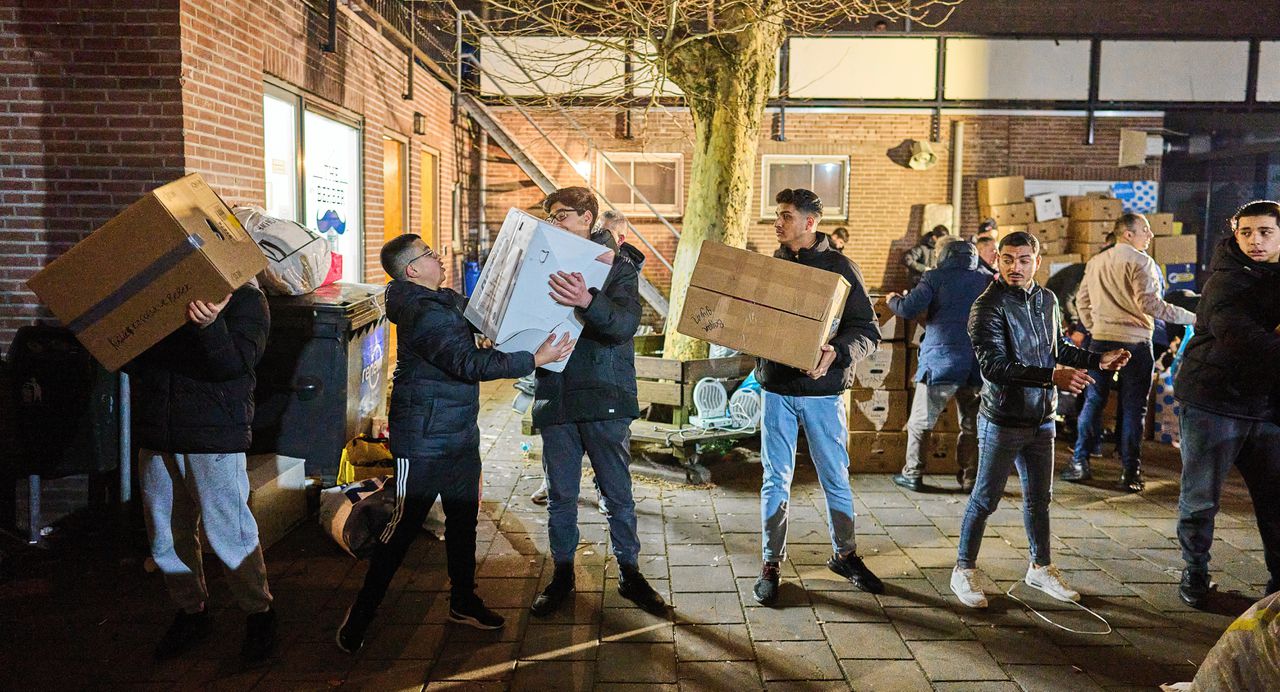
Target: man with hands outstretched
(1014,326)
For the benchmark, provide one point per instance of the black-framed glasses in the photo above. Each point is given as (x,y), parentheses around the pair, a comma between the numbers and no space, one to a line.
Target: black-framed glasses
(429,253)
(561,215)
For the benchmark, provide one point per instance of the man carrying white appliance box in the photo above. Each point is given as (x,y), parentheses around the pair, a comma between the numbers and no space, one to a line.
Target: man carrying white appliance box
(812,398)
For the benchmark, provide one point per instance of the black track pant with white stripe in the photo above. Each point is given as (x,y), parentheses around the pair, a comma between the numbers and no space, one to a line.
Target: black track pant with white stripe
(417,484)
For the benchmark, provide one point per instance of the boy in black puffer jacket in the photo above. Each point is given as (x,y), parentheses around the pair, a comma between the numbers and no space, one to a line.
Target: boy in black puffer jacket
(1229,386)
(435,401)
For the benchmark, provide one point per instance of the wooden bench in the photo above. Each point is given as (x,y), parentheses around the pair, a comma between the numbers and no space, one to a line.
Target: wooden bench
(670,383)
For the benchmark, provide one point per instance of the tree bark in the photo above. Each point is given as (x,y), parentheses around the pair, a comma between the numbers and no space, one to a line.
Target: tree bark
(726,82)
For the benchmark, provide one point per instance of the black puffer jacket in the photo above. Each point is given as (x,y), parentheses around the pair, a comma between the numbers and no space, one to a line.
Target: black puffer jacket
(193,391)
(856,336)
(1016,338)
(435,395)
(1232,364)
(599,381)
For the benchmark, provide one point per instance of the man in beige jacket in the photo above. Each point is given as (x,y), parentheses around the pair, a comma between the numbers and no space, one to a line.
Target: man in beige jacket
(1120,295)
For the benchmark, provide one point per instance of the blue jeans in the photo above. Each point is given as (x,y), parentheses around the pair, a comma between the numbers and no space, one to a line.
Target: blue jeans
(1135,390)
(1211,444)
(1000,449)
(607,444)
(827,431)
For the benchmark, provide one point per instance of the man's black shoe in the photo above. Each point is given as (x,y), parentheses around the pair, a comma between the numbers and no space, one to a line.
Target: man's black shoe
(1194,588)
(259,636)
(186,630)
(1131,481)
(633,587)
(350,635)
(470,610)
(914,484)
(766,588)
(554,594)
(852,568)
(1273,585)
(1077,472)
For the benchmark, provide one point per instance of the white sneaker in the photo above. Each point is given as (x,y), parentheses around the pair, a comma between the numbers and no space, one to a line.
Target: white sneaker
(539,496)
(1049,580)
(965,586)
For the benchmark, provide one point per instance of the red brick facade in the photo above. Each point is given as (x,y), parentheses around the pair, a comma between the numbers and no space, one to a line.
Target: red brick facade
(98,105)
(882,193)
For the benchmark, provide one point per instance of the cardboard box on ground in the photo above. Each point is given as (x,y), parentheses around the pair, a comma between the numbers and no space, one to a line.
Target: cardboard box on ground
(127,285)
(511,302)
(779,310)
(885,452)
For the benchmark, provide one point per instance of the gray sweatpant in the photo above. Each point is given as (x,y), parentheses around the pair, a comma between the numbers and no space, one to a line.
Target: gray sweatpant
(928,403)
(179,493)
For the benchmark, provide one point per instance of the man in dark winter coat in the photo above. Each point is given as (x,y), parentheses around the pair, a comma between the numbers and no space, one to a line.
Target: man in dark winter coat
(589,407)
(947,368)
(435,402)
(1229,386)
(814,399)
(193,410)
(922,257)
(1014,328)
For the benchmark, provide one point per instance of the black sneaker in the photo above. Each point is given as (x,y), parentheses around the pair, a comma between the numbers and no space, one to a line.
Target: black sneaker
(1131,481)
(186,630)
(1273,585)
(766,588)
(913,484)
(851,567)
(633,587)
(1194,588)
(350,634)
(555,593)
(1077,472)
(259,636)
(472,611)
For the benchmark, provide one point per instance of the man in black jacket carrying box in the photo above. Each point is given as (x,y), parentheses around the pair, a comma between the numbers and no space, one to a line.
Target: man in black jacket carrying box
(1014,326)
(813,399)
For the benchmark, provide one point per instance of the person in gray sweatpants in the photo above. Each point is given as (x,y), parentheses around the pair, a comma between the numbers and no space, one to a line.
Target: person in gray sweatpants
(193,408)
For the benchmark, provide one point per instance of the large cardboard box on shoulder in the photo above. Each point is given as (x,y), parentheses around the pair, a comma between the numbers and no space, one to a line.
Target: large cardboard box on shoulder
(885,368)
(1175,249)
(768,307)
(127,285)
(996,191)
(878,409)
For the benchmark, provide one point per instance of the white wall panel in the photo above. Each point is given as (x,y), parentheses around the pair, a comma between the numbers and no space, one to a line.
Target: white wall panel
(1046,70)
(1173,70)
(867,68)
(1269,71)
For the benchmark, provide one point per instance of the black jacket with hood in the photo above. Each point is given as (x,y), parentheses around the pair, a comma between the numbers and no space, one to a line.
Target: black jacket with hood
(1015,334)
(435,395)
(857,334)
(192,393)
(1232,364)
(599,381)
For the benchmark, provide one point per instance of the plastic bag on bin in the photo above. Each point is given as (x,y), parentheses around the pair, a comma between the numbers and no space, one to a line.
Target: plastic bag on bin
(365,458)
(355,514)
(1247,657)
(298,258)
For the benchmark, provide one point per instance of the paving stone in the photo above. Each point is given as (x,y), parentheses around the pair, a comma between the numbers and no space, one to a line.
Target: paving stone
(846,606)
(702,579)
(956,660)
(560,642)
(1047,678)
(467,661)
(878,640)
(547,676)
(713,676)
(797,661)
(638,663)
(707,608)
(927,624)
(778,623)
(713,643)
(884,676)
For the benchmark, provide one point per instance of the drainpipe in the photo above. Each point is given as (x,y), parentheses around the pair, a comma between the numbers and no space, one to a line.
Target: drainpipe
(957,166)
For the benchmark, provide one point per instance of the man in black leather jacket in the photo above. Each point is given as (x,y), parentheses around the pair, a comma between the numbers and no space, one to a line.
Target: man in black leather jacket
(1014,326)
(1229,386)
(434,437)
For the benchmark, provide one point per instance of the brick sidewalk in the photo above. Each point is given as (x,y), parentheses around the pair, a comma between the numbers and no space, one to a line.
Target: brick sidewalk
(88,617)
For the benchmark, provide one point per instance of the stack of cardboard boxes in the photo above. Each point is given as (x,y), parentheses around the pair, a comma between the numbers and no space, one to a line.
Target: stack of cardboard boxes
(880,403)
(1093,217)
(1004,199)
(1174,252)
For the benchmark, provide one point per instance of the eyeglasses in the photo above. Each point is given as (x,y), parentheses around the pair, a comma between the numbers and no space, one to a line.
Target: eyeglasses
(560,216)
(429,253)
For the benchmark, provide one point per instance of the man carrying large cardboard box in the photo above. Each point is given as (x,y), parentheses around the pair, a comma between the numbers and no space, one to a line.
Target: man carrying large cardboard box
(812,398)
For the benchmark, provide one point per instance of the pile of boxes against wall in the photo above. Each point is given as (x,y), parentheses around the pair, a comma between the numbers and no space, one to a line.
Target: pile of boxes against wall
(880,403)
(1074,228)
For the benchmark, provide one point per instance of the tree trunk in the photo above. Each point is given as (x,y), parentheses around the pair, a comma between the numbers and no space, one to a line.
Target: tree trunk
(726,86)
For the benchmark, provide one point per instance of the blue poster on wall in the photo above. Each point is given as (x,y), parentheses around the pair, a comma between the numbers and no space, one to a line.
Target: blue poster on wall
(1137,196)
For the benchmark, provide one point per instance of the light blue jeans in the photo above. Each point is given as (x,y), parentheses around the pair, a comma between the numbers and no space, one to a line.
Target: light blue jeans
(1000,449)
(825,423)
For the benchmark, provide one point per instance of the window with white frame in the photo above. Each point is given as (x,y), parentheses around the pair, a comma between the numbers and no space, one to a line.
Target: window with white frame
(828,176)
(640,177)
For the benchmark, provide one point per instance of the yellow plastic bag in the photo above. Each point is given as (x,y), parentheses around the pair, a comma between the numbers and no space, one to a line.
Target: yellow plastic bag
(365,458)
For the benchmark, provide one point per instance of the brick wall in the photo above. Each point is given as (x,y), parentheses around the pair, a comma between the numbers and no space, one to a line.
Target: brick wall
(883,215)
(90,119)
(98,105)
